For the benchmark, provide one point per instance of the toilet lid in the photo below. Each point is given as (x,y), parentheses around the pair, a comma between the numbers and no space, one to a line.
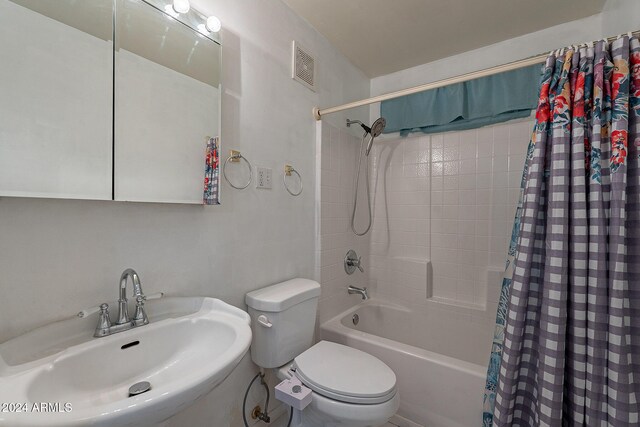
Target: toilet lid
(345,374)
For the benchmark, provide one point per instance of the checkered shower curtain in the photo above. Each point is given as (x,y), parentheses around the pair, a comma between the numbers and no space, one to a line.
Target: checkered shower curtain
(567,345)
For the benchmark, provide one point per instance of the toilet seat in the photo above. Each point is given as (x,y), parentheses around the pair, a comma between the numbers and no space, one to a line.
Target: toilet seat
(345,374)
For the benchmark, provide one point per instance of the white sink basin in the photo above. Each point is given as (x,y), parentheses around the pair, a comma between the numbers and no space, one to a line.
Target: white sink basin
(187,349)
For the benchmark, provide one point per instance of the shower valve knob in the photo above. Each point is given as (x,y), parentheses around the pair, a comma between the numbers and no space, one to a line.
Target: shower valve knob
(352,261)
(357,263)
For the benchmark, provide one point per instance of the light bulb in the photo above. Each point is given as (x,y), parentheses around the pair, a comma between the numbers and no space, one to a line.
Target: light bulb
(213,24)
(181,6)
(203,29)
(169,10)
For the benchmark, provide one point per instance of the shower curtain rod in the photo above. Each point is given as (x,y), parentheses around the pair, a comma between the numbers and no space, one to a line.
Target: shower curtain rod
(538,59)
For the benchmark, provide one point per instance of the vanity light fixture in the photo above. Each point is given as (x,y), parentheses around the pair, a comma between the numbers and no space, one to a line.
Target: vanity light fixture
(213,24)
(181,6)
(208,25)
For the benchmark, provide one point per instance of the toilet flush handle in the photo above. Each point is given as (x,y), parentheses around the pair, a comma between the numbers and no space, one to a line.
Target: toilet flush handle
(264,321)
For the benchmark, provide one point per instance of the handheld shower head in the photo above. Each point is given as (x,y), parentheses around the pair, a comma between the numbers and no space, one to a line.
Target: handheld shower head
(378,126)
(376,129)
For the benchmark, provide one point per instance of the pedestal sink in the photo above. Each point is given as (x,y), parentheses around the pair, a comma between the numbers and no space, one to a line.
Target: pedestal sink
(59,375)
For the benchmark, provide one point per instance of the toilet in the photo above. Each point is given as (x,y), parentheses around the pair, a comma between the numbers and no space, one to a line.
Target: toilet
(350,388)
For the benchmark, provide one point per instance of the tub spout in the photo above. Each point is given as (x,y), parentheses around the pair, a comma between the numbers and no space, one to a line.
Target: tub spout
(355,290)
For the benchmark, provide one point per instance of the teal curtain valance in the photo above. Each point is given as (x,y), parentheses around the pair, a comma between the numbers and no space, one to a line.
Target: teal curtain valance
(472,104)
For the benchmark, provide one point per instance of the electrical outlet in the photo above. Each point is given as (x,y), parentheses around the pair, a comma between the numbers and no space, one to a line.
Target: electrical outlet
(264,178)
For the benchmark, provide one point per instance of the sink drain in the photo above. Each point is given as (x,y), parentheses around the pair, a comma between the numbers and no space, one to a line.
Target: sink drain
(355,319)
(139,388)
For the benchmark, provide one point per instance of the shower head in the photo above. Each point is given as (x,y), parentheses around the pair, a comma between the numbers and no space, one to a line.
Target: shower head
(376,129)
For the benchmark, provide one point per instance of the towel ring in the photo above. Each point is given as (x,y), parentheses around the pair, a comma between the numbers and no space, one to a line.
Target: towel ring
(235,157)
(288,171)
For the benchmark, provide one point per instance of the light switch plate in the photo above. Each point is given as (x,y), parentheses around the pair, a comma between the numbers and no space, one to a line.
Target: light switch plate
(264,178)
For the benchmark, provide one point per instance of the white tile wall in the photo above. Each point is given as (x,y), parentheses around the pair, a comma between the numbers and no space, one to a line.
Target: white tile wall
(338,161)
(475,181)
(400,236)
(443,212)
(449,199)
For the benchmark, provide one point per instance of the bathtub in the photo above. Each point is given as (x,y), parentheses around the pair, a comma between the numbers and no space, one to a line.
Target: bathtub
(440,370)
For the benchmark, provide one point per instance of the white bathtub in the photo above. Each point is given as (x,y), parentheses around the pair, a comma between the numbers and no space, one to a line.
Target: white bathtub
(440,381)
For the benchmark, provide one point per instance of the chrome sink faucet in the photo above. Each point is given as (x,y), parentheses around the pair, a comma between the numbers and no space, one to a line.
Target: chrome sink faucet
(105,327)
(361,291)
(123,308)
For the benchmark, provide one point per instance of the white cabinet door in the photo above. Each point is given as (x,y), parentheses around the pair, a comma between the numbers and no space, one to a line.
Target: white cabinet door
(56,99)
(167,104)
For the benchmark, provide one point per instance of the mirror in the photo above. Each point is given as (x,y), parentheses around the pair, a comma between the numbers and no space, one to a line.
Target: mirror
(81,118)
(167,97)
(56,103)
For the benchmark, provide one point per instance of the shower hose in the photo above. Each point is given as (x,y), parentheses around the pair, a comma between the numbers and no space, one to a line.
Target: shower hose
(355,197)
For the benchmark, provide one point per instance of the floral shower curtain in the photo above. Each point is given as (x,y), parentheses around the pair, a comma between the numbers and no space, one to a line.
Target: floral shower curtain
(567,344)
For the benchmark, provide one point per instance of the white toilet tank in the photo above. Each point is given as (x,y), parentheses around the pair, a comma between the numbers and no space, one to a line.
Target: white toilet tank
(283,318)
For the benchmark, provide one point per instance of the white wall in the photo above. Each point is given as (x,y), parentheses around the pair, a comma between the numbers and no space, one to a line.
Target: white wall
(59,256)
(620,16)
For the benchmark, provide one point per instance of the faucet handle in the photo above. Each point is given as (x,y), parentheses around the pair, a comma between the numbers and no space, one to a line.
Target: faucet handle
(104,309)
(157,295)
(359,265)
(104,321)
(88,311)
(140,317)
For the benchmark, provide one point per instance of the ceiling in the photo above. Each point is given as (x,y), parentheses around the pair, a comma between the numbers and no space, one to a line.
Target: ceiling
(384,36)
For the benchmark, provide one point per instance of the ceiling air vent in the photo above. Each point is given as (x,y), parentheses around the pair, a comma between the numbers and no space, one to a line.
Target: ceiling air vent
(303,66)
